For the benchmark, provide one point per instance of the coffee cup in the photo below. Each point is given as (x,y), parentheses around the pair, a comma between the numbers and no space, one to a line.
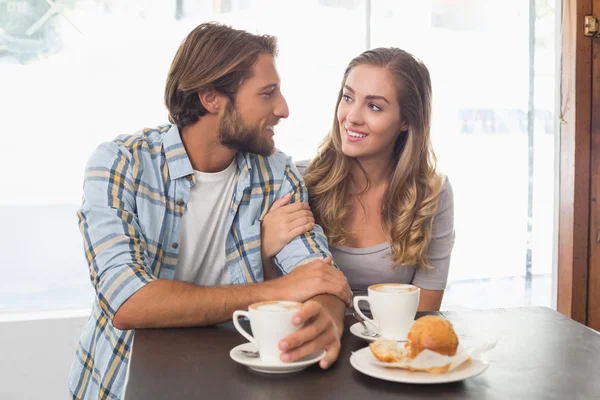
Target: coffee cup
(393,306)
(270,322)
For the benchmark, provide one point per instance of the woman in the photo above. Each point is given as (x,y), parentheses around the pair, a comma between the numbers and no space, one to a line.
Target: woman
(373,187)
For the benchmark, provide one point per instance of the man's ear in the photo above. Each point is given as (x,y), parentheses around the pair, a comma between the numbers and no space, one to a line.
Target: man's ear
(210,100)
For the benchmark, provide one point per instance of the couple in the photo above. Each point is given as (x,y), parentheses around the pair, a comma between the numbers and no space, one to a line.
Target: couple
(185,223)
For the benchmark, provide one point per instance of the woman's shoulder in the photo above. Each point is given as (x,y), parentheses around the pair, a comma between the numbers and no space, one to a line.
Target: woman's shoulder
(446,192)
(446,199)
(302,166)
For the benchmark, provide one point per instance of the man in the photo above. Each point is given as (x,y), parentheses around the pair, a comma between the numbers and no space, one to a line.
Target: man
(171,217)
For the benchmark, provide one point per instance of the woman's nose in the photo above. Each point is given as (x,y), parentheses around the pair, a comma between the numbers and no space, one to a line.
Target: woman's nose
(354,116)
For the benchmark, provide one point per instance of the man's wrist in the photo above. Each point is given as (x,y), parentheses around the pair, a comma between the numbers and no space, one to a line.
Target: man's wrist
(339,323)
(335,308)
(269,291)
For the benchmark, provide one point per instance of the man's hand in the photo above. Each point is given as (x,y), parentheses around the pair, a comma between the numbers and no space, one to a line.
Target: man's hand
(283,223)
(319,332)
(310,280)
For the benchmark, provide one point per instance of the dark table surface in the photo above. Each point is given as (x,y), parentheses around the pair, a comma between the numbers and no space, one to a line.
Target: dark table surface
(540,354)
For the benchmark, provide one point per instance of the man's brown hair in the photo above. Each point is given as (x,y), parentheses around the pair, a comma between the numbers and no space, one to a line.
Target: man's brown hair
(211,56)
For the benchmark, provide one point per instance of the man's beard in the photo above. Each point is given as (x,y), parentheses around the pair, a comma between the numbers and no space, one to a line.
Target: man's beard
(235,134)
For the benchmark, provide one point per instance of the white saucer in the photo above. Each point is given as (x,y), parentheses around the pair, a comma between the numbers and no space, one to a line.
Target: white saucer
(363,361)
(256,364)
(357,329)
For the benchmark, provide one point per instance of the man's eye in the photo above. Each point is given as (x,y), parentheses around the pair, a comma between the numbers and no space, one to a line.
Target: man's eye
(268,94)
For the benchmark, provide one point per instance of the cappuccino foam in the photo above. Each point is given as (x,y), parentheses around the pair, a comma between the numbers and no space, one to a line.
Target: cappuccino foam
(276,306)
(393,288)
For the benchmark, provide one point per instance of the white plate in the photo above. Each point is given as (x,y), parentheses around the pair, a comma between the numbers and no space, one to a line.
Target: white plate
(357,329)
(256,364)
(363,361)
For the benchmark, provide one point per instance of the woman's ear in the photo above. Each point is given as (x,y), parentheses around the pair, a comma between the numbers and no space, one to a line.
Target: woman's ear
(209,100)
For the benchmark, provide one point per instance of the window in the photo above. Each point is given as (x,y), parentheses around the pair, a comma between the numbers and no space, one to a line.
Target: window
(480,75)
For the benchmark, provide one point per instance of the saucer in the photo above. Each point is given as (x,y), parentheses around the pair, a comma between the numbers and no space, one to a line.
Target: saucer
(357,330)
(256,364)
(364,361)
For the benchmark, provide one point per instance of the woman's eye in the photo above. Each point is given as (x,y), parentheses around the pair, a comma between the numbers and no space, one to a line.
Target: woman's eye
(346,97)
(268,94)
(374,107)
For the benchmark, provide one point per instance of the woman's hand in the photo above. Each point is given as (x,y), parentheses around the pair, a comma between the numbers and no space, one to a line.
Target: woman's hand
(282,223)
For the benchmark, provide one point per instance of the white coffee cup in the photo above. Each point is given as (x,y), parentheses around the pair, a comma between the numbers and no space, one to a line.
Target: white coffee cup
(393,306)
(270,321)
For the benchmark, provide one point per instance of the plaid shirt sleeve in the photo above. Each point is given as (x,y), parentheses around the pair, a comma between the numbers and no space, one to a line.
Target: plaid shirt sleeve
(309,246)
(114,247)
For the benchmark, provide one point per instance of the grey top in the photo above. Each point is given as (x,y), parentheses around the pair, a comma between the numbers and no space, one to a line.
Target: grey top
(370,265)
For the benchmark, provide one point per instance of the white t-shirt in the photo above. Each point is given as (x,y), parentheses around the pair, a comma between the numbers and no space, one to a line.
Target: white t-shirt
(203,231)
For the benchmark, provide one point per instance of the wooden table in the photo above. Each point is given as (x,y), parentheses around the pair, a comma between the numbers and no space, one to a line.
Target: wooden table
(540,354)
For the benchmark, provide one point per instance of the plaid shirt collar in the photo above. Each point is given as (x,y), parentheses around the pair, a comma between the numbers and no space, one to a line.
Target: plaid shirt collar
(180,165)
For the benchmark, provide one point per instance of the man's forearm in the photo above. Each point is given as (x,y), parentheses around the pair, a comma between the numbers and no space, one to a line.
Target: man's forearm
(165,303)
(335,307)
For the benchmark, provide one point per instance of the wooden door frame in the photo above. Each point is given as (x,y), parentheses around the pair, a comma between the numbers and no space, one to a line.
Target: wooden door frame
(574,239)
(593,297)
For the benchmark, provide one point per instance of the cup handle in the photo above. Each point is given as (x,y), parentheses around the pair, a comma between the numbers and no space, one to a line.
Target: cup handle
(358,299)
(236,316)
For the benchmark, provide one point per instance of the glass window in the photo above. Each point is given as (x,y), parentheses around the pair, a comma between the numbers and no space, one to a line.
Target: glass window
(480,76)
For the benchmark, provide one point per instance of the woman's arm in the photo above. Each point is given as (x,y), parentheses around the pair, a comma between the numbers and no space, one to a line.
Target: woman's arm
(282,223)
(430,300)
(433,281)
(270,271)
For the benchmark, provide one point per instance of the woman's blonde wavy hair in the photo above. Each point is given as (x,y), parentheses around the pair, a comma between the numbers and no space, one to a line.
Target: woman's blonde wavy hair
(411,198)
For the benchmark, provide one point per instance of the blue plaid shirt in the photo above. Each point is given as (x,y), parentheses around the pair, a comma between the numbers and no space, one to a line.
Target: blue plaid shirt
(135,192)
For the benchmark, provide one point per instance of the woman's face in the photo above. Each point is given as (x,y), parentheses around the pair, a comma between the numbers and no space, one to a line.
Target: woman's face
(369,114)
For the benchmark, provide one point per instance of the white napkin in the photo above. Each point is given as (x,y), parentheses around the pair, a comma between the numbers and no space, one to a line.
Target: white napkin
(430,359)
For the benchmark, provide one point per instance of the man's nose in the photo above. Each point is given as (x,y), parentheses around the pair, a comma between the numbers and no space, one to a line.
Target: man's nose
(281,108)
